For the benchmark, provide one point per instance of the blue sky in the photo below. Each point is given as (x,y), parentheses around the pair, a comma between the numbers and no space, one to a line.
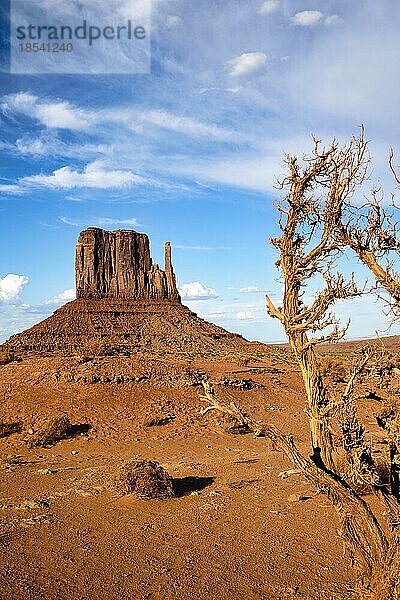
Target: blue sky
(190,152)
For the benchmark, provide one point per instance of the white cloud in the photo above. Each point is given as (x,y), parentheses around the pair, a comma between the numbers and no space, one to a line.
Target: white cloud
(197,291)
(65,115)
(11,286)
(49,146)
(60,115)
(128,9)
(244,315)
(250,289)
(218,314)
(332,20)
(6,188)
(247,64)
(337,97)
(94,175)
(269,7)
(68,221)
(107,222)
(63,297)
(187,126)
(99,222)
(257,173)
(248,170)
(173,21)
(33,147)
(307,18)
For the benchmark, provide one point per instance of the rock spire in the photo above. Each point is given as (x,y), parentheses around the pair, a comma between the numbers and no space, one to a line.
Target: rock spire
(118,265)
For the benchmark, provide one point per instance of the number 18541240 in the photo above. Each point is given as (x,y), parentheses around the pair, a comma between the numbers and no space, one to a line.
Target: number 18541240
(46,47)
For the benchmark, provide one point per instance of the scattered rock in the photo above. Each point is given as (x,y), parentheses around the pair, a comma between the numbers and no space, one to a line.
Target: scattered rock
(56,429)
(238,384)
(47,471)
(297,498)
(159,421)
(237,485)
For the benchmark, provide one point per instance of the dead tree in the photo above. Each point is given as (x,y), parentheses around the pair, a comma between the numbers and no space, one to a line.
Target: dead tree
(363,535)
(316,192)
(312,238)
(317,224)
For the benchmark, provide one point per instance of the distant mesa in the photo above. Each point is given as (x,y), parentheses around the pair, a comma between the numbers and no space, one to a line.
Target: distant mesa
(127,303)
(118,265)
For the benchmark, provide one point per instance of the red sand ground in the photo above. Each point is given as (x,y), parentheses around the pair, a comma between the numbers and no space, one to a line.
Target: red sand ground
(234,532)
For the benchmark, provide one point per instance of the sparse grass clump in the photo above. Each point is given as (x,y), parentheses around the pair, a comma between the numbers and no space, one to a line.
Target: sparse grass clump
(196,377)
(239,384)
(146,479)
(56,429)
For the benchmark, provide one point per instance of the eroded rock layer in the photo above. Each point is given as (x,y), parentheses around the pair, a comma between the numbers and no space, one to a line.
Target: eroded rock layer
(106,325)
(118,265)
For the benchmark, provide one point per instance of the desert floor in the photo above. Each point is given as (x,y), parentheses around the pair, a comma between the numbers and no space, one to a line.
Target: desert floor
(235,530)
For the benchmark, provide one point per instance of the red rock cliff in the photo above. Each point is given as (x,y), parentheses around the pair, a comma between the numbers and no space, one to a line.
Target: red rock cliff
(117,264)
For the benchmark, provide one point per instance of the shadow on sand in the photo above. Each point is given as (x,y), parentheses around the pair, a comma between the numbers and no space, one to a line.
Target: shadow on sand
(79,429)
(186,485)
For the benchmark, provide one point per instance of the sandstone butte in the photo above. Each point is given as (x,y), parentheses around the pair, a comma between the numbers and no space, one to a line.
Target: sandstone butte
(118,265)
(127,303)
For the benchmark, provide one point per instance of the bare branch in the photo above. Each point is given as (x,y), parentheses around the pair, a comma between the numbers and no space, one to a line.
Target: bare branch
(391,156)
(232,409)
(272,310)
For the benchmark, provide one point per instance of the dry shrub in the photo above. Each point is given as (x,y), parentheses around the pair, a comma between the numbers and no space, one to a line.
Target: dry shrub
(145,478)
(56,429)
(333,367)
(196,377)
(7,429)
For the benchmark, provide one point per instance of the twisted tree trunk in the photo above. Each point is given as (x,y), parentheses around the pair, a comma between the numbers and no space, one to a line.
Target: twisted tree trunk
(376,557)
(317,402)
